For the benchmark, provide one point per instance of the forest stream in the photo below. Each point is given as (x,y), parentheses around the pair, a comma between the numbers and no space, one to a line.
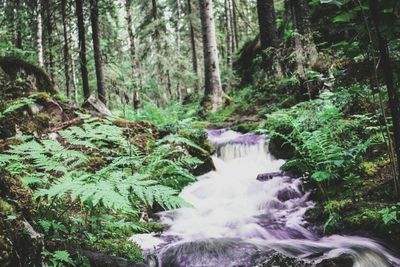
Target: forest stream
(245,211)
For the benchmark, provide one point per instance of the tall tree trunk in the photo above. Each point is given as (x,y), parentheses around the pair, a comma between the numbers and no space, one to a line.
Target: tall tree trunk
(94,17)
(82,48)
(18,17)
(178,49)
(387,70)
(194,50)
(235,25)
(154,14)
(66,48)
(132,51)
(267,24)
(213,94)
(229,34)
(306,51)
(49,28)
(39,33)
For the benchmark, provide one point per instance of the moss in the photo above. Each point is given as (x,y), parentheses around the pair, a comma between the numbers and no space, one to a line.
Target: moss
(367,218)
(42,96)
(152,226)
(43,117)
(289,102)
(280,148)
(12,65)
(369,168)
(120,248)
(246,127)
(12,186)
(338,205)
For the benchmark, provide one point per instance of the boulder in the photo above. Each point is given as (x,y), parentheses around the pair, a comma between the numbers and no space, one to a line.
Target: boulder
(94,104)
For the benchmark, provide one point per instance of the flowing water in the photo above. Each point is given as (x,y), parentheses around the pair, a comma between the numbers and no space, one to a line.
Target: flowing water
(237,220)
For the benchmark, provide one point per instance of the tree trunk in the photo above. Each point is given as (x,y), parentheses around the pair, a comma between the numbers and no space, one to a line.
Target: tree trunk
(178,50)
(132,50)
(194,50)
(235,25)
(94,17)
(82,48)
(49,27)
(213,94)
(39,33)
(306,51)
(229,34)
(66,48)
(267,24)
(387,70)
(18,11)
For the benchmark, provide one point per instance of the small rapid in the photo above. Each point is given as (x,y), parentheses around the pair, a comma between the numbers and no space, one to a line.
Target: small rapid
(239,220)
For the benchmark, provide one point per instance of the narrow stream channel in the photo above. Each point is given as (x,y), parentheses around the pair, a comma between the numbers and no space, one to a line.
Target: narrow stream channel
(237,220)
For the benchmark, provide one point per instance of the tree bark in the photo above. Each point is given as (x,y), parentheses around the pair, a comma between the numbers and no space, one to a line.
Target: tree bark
(132,51)
(387,70)
(18,10)
(49,30)
(66,48)
(94,17)
(213,94)
(194,50)
(39,33)
(235,25)
(267,24)
(178,50)
(229,34)
(82,48)
(305,49)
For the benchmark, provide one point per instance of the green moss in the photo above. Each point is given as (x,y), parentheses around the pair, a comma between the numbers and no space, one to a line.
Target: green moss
(120,248)
(246,127)
(370,168)
(43,116)
(152,226)
(366,218)
(289,102)
(338,205)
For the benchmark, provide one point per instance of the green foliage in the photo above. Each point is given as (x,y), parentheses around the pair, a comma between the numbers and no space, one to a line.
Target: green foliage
(74,196)
(58,258)
(390,214)
(13,106)
(328,145)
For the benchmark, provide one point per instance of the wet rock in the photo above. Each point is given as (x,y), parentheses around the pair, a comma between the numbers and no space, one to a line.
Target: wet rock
(280,260)
(214,252)
(288,193)
(207,166)
(268,176)
(342,261)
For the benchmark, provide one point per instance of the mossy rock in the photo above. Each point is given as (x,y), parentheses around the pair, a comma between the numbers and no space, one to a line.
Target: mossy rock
(120,248)
(280,148)
(245,127)
(14,67)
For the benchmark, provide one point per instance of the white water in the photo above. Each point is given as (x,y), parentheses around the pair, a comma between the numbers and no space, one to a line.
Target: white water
(231,203)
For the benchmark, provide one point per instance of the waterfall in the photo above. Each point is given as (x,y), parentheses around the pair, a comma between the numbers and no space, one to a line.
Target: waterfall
(237,220)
